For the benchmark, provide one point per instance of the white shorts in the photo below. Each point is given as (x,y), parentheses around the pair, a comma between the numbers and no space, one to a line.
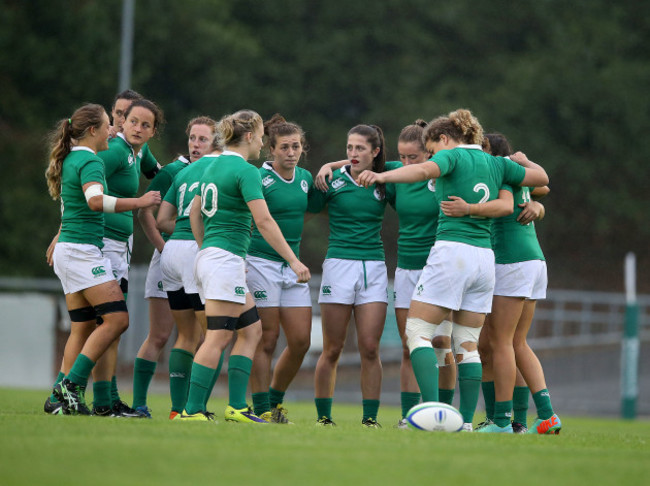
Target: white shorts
(523,279)
(119,253)
(177,265)
(353,282)
(404,285)
(80,266)
(153,286)
(220,275)
(457,276)
(274,284)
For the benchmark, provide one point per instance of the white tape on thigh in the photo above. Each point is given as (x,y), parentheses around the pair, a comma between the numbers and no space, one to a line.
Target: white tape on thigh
(419,333)
(444,330)
(464,334)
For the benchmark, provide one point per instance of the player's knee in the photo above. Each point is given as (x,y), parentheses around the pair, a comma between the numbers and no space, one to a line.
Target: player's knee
(466,343)
(332,351)
(299,345)
(419,333)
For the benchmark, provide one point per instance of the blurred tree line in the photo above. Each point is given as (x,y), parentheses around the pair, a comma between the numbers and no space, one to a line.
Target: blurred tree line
(567,82)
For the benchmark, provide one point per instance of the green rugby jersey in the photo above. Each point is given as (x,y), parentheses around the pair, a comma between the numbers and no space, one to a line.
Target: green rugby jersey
(226,188)
(181,194)
(122,169)
(513,242)
(355,216)
(79,223)
(417,210)
(287,202)
(164,178)
(476,176)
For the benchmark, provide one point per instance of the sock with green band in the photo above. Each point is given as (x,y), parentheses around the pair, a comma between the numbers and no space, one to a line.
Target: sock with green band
(408,401)
(276,397)
(370,409)
(488,398)
(215,377)
(520,404)
(200,380)
(445,395)
(324,407)
(115,395)
(102,394)
(180,367)
(59,379)
(143,371)
(503,413)
(261,403)
(542,401)
(239,371)
(469,386)
(425,367)
(80,370)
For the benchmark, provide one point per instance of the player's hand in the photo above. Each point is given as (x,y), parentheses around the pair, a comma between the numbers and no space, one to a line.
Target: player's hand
(324,175)
(151,198)
(301,271)
(519,157)
(531,211)
(112,131)
(456,207)
(50,250)
(368,178)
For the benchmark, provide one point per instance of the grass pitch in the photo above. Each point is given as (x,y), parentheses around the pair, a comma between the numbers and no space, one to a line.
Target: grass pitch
(39,449)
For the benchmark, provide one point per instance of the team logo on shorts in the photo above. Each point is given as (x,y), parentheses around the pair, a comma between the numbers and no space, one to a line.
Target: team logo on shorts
(268,180)
(259,295)
(98,271)
(420,289)
(432,185)
(338,183)
(377,194)
(327,290)
(160,286)
(240,291)
(304,186)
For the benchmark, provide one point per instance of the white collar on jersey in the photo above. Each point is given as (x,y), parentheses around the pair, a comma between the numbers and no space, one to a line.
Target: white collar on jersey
(82,147)
(183,159)
(121,135)
(470,146)
(346,171)
(268,165)
(230,152)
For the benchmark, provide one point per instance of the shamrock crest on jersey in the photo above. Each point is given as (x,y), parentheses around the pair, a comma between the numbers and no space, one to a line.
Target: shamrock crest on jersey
(268,181)
(304,186)
(378,195)
(131,160)
(338,184)
(432,185)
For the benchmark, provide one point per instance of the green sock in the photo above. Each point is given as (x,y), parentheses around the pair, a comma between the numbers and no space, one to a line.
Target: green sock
(143,371)
(469,385)
(488,397)
(520,404)
(370,409)
(115,395)
(200,380)
(542,401)
(102,394)
(408,401)
(324,407)
(445,395)
(239,370)
(276,397)
(180,367)
(425,367)
(80,370)
(502,413)
(215,377)
(59,379)
(261,403)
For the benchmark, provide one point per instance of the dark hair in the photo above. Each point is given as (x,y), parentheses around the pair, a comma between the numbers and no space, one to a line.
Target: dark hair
(158,117)
(498,145)
(127,94)
(277,126)
(413,133)
(207,121)
(459,125)
(375,137)
(67,130)
(232,128)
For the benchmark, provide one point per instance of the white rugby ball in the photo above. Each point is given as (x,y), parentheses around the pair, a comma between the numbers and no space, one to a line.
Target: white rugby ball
(435,416)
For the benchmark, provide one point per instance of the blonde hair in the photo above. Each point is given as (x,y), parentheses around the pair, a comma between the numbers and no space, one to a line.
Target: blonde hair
(61,138)
(232,128)
(459,125)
